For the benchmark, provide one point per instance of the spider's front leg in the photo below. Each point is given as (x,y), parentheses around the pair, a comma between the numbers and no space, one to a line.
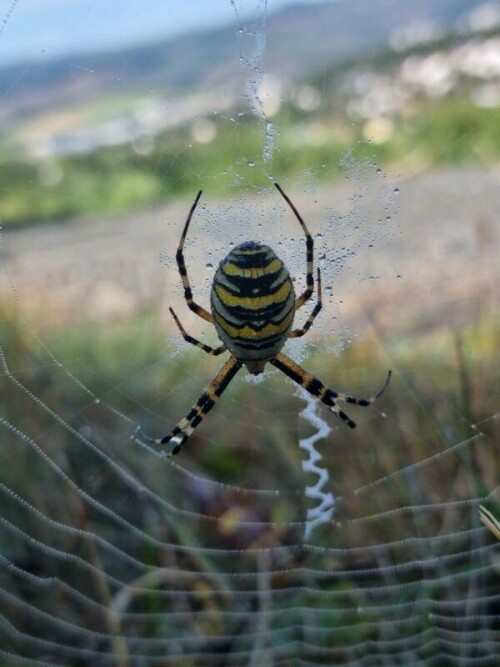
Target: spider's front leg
(295,333)
(306,295)
(180,433)
(181,265)
(214,351)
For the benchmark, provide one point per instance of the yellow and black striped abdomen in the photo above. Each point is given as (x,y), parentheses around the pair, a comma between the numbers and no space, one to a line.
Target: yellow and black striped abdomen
(253,302)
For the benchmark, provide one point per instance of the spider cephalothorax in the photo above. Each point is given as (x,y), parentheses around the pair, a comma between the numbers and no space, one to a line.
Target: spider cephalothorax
(253,307)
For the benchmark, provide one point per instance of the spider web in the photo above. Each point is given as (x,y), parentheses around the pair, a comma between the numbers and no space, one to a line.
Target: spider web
(278,536)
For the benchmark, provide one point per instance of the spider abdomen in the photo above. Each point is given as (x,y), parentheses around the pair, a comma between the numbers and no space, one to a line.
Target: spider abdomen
(253,302)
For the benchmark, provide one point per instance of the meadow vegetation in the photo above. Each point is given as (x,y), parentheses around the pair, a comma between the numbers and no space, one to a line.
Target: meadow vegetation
(435,399)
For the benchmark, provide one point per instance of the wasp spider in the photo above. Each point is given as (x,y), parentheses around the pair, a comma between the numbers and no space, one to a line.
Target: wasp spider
(253,306)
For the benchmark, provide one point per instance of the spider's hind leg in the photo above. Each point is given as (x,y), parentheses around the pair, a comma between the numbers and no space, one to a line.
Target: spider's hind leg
(180,433)
(315,387)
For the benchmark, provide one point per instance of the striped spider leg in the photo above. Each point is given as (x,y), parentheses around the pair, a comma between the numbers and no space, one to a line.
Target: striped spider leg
(179,256)
(315,387)
(253,305)
(203,405)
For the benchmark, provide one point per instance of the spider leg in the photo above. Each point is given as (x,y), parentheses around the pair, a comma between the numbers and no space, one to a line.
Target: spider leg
(317,388)
(306,295)
(295,333)
(188,295)
(189,339)
(180,433)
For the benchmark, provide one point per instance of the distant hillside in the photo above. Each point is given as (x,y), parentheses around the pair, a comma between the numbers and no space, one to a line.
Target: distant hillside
(299,40)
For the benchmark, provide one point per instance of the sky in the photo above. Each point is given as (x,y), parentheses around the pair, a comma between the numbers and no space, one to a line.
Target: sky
(37,29)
